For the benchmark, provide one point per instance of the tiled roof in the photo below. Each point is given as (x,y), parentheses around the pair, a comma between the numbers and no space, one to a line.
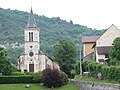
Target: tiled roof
(112,26)
(103,50)
(89,56)
(31,20)
(88,39)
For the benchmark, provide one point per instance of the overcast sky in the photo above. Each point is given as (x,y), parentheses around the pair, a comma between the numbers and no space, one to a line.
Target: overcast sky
(99,14)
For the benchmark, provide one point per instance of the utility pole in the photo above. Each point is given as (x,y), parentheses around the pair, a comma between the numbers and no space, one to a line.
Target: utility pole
(80,62)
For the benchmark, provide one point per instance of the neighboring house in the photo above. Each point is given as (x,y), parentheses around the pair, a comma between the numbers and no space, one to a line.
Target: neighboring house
(104,43)
(33,59)
(88,51)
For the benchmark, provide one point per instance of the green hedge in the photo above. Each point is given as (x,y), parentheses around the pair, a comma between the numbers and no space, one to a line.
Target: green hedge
(17,73)
(108,72)
(16,79)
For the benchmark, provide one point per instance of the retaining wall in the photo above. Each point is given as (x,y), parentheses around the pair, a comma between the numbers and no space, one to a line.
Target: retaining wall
(95,85)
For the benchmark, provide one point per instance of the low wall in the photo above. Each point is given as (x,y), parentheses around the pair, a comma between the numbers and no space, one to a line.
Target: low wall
(95,85)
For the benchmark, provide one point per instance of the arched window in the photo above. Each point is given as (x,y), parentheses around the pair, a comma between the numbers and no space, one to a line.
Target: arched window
(30,36)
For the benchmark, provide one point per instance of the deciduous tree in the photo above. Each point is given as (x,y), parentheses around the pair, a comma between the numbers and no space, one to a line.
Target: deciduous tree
(65,55)
(115,52)
(5,65)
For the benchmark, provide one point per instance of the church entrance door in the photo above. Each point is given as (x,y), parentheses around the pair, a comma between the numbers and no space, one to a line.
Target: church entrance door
(31,67)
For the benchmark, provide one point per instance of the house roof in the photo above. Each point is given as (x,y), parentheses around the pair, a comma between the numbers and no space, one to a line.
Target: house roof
(89,56)
(107,29)
(103,50)
(112,26)
(31,20)
(89,39)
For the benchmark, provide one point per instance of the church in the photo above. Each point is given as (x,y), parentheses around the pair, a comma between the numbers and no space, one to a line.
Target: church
(33,59)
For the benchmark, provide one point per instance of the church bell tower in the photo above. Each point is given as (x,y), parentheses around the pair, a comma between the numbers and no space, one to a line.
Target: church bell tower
(31,47)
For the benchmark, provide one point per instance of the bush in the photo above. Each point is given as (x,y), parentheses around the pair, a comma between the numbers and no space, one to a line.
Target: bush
(37,76)
(17,73)
(64,78)
(29,73)
(14,68)
(108,72)
(112,62)
(53,78)
(77,68)
(16,79)
(21,73)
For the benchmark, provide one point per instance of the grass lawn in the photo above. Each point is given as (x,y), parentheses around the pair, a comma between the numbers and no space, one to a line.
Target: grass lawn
(88,79)
(69,86)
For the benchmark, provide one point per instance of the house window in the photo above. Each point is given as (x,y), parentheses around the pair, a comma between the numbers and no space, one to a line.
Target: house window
(30,36)
(106,56)
(101,60)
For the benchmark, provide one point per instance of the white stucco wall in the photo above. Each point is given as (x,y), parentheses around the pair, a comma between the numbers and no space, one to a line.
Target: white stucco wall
(35,33)
(34,49)
(108,37)
(21,63)
(42,62)
(101,56)
(56,66)
(50,63)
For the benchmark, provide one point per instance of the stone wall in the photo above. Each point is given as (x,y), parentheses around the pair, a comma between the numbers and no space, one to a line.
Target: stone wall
(95,85)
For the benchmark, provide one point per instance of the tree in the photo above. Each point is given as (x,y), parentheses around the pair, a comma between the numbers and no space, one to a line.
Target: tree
(77,68)
(65,54)
(14,53)
(115,52)
(5,65)
(13,22)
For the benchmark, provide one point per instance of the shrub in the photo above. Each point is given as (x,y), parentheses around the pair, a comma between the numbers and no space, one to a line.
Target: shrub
(37,76)
(77,68)
(64,78)
(105,71)
(22,73)
(108,72)
(14,68)
(99,68)
(16,79)
(17,73)
(112,62)
(117,74)
(29,73)
(72,74)
(53,78)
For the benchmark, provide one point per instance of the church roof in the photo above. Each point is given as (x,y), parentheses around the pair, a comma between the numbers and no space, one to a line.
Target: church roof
(41,53)
(31,20)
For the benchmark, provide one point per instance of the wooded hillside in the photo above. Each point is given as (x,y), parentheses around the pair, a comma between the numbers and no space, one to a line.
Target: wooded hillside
(13,22)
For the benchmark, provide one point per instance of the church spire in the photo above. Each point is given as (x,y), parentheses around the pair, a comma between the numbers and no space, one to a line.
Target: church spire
(31,20)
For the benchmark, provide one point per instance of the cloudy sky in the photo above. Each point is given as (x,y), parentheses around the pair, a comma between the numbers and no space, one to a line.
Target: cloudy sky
(99,14)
